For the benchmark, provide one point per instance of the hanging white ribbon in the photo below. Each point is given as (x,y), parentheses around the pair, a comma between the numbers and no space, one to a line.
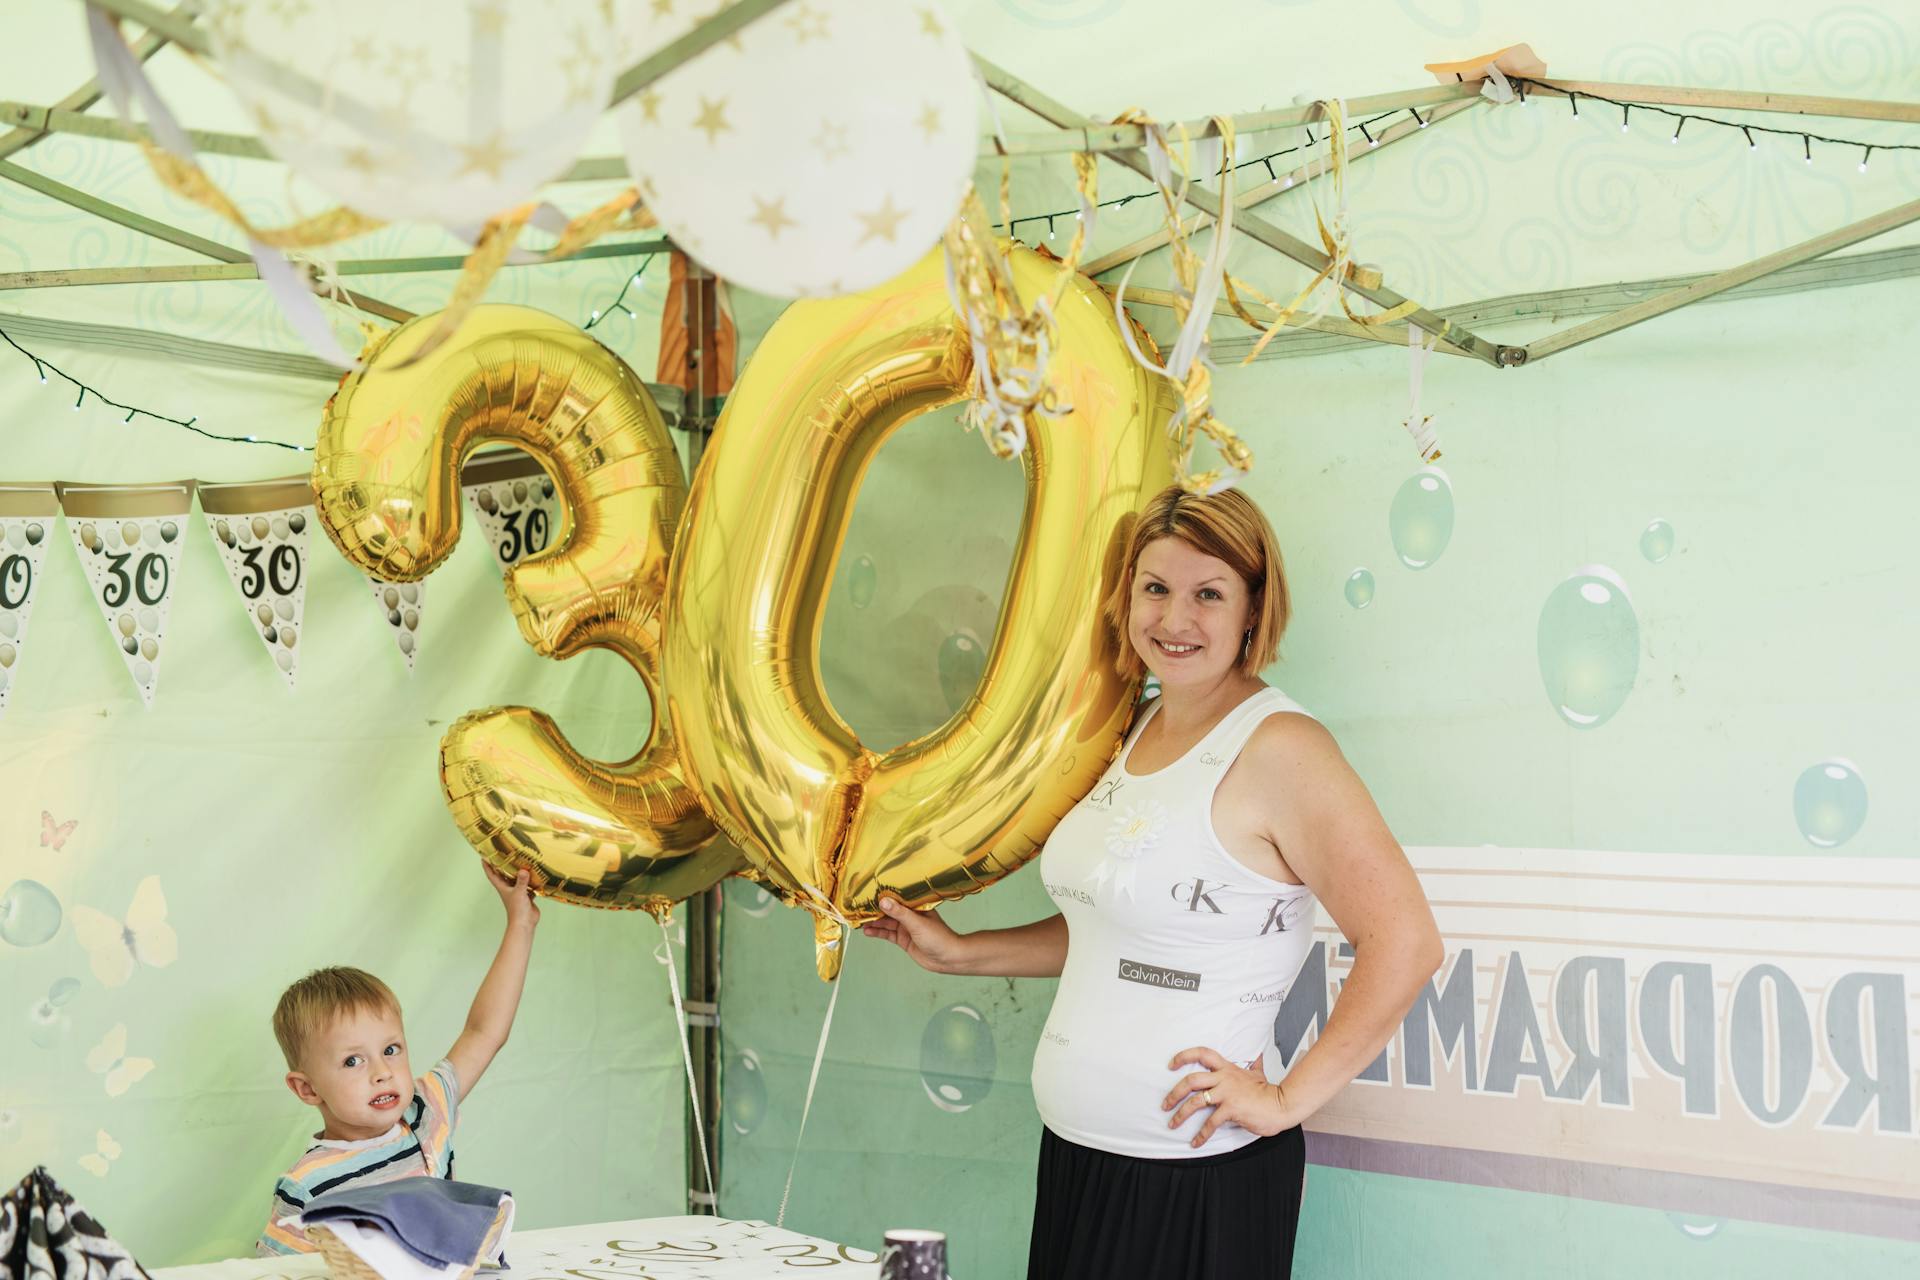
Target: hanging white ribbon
(1419,425)
(819,1052)
(686,1056)
(124,80)
(1495,88)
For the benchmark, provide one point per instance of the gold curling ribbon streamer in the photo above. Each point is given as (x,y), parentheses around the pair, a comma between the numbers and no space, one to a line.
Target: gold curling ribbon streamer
(1012,343)
(180,172)
(495,244)
(1336,239)
(1197,280)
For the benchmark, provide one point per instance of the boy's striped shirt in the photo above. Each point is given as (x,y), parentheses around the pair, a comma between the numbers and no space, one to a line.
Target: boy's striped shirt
(420,1145)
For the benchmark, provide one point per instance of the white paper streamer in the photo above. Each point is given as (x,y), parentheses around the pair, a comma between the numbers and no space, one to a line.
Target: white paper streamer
(124,80)
(1419,425)
(686,1056)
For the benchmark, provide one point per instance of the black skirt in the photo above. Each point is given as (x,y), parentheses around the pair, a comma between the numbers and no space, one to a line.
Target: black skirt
(1099,1216)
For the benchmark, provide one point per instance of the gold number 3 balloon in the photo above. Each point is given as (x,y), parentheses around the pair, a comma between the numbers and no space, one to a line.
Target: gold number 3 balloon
(828,822)
(730,617)
(386,486)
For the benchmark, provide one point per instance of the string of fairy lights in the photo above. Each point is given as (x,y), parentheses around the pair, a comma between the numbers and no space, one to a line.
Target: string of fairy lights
(1369,131)
(1522,89)
(85,391)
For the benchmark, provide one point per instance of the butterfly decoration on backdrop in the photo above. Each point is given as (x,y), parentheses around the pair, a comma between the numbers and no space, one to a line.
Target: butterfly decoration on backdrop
(105,1150)
(115,948)
(109,1058)
(53,835)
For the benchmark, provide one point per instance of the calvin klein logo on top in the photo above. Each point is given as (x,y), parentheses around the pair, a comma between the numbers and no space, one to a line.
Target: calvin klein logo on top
(1207,757)
(1197,893)
(1149,975)
(1102,795)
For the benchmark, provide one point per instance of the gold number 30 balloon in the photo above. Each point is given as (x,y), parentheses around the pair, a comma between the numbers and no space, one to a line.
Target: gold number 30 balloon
(731,617)
(386,486)
(828,822)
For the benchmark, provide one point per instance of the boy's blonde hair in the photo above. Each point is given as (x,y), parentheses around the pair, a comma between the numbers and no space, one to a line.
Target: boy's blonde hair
(311,1005)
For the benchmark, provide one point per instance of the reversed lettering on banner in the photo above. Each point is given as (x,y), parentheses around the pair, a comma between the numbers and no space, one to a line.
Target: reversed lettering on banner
(1720,1028)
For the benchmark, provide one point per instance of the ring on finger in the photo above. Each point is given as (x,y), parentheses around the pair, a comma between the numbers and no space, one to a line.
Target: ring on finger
(1209,1097)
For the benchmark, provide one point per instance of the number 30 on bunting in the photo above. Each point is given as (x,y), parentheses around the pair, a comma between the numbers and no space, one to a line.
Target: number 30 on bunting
(724,625)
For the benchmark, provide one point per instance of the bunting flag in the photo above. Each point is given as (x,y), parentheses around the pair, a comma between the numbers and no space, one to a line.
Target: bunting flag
(128,539)
(513,498)
(402,603)
(27,516)
(261,532)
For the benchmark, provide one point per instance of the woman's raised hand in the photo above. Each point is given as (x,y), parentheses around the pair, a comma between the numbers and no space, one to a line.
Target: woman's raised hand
(923,935)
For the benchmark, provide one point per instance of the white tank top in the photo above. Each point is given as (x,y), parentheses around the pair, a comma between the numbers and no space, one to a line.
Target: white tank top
(1172,943)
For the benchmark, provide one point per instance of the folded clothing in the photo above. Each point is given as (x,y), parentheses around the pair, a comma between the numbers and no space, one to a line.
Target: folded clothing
(439,1226)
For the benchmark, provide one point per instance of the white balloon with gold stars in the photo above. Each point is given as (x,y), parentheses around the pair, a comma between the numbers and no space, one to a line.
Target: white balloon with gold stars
(445,111)
(820,151)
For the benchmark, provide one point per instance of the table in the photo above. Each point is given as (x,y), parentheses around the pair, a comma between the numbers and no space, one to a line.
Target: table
(690,1248)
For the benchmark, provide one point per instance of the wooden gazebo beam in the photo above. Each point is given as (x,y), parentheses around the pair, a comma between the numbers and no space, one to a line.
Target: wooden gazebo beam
(1721,281)
(1254,228)
(1268,190)
(19,139)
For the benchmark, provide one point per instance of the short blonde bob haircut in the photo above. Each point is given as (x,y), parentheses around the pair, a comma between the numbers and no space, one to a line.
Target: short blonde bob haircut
(1226,526)
(311,1005)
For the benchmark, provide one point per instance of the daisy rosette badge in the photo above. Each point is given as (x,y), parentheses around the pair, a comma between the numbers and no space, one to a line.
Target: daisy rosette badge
(515,501)
(27,516)
(261,532)
(128,539)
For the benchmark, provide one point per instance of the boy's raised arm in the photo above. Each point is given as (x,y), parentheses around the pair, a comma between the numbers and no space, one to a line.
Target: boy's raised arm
(491,1017)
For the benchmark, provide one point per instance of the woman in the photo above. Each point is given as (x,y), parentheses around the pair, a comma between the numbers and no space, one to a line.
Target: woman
(1187,881)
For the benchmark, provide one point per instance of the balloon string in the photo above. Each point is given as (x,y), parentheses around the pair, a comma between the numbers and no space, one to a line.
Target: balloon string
(813,1079)
(686,1056)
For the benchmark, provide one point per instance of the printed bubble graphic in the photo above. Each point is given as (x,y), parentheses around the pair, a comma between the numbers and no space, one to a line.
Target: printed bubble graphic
(750,897)
(1420,521)
(1656,541)
(745,1091)
(1830,803)
(29,914)
(62,990)
(962,661)
(863,581)
(1359,589)
(47,1026)
(957,1058)
(1589,643)
(1696,1227)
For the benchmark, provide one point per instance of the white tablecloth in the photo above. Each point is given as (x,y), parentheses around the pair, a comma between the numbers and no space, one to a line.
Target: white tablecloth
(643,1249)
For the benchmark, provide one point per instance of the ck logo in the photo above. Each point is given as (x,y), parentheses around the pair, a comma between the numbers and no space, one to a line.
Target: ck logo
(1103,794)
(1278,916)
(1199,892)
(1212,759)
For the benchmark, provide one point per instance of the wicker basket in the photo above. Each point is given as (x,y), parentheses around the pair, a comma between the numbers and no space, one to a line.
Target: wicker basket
(344,1263)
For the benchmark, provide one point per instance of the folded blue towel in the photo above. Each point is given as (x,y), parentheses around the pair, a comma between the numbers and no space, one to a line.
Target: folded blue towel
(436,1220)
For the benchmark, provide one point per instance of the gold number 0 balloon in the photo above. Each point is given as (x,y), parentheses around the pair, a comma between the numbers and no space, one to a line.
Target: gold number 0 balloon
(828,822)
(386,485)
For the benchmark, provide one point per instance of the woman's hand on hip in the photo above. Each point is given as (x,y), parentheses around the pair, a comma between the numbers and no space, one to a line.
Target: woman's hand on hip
(923,935)
(1232,1093)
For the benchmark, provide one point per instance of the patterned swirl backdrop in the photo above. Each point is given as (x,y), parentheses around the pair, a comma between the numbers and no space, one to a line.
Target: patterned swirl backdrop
(1651,625)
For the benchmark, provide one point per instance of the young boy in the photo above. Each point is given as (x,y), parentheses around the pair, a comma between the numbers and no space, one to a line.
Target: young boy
(347,1055)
